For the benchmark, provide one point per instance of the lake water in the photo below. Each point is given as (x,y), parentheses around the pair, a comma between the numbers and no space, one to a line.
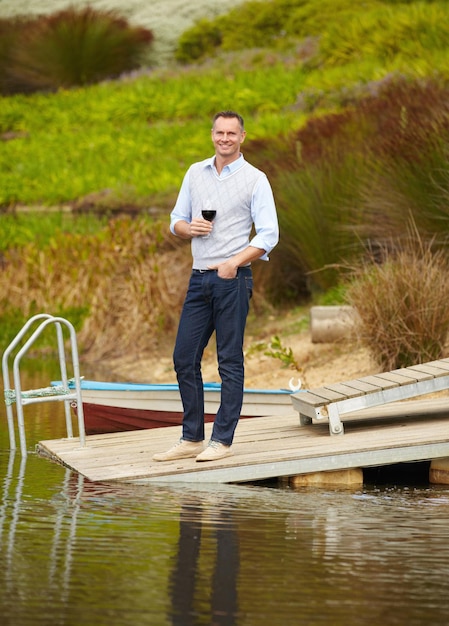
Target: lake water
(74,552)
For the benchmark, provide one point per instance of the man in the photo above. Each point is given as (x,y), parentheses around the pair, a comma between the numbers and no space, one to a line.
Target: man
(220,285)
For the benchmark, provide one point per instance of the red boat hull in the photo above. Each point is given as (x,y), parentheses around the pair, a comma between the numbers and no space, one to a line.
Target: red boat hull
(100,419)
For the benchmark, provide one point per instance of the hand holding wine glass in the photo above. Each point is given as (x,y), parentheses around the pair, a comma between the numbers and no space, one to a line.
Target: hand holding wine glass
(208,214)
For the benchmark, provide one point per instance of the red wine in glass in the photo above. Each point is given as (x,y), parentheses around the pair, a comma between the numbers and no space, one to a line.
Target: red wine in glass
(209,215)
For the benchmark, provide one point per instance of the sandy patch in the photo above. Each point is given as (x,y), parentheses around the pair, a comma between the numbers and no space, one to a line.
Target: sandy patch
(320,363)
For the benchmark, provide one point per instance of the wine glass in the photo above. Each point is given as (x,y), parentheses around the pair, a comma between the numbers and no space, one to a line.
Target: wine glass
(208,214)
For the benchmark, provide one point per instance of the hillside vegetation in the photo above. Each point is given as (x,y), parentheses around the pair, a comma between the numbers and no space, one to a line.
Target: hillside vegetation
(346,110)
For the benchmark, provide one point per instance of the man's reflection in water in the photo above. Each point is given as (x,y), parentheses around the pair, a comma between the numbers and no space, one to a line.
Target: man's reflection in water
(183,578)
(183,581)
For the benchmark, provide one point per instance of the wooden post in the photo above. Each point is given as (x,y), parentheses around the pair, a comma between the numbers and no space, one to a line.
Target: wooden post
(329,324)
(344,478)
(439,472)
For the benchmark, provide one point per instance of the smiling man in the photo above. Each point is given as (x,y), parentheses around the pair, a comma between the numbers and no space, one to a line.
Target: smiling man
(234,196)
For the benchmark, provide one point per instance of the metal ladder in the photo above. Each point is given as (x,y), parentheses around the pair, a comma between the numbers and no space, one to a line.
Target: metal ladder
(62,392)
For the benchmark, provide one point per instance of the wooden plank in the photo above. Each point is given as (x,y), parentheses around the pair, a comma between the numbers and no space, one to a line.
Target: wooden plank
(429,369)
(362,385)
(310,398)
(382,383)
(345,390)
(440,363)
(329,395)
(391,377)
(410,372)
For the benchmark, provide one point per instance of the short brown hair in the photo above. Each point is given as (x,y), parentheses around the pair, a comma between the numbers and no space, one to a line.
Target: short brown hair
(229,114)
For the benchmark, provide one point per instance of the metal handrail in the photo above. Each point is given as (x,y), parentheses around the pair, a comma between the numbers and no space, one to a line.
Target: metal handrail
(22,398)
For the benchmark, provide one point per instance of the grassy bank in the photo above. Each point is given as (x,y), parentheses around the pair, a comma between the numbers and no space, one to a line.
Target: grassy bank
(136,136)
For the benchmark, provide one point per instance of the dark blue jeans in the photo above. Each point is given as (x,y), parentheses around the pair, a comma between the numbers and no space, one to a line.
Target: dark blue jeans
(212,303)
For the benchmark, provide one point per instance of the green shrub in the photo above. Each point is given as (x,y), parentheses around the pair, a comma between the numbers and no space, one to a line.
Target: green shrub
(199,41)
(73,47)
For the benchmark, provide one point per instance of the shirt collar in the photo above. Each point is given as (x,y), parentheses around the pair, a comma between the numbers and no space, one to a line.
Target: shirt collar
(228,169)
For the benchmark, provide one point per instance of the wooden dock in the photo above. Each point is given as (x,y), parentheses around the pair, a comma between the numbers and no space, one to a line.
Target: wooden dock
(267,447)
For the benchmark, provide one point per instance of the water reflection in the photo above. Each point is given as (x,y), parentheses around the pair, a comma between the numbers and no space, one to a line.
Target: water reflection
(61,545)
(77,553)
(15,498)
(185,575)
(13,508)
(44,560)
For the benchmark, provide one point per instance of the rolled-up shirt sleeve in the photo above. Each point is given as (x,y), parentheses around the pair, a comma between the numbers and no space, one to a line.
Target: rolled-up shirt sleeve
(263,211)
(183,207)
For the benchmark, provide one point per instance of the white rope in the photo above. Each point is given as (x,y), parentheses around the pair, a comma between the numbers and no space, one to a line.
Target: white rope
(57,390)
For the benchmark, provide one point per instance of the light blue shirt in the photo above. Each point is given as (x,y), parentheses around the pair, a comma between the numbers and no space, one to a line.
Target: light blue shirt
(262,205)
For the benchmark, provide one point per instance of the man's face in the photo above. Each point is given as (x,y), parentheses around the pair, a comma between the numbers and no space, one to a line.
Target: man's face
(227,137)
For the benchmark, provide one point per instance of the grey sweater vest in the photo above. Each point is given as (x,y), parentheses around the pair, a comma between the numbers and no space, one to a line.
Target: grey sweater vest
(231,197)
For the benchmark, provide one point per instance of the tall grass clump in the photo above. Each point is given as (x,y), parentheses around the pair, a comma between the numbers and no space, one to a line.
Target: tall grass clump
(417,187)
(118,284)
(402,303)
(319,218)
(9,32)
(72,47)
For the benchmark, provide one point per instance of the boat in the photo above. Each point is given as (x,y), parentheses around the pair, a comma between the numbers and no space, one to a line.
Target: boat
(114,407)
